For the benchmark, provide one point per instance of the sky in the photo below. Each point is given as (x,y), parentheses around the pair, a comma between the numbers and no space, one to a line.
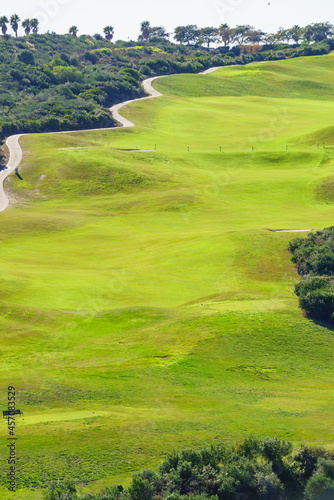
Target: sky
(126,15)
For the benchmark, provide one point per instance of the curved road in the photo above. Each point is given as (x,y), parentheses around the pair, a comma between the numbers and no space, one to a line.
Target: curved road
(16,151)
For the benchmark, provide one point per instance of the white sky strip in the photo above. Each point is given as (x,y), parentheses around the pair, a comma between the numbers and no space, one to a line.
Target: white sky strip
(126,16)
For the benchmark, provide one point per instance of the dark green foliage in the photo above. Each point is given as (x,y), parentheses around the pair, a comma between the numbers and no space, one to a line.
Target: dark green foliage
(27,57)
(52,84)
(314,257)
(142,486)
(217,473)
(111,493)
(61,491)
(199,459)
(306,458)
(275,450)
(321,484)
(308,253)
(90,56)
(316,297)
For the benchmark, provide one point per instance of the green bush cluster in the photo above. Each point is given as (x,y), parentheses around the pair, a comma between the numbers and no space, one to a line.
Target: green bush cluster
(53,83)
(314,258)
(256,469)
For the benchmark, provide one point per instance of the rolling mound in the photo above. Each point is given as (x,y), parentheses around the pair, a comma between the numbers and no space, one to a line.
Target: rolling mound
(303,78)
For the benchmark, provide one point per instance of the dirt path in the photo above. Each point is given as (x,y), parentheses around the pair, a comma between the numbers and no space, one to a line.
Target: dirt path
(16,151)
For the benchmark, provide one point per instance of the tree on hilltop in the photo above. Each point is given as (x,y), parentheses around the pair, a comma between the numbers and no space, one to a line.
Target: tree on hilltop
(270,39)
(3,25)
(208,35)
(26,24)
(73,30)
(255,37)
(225,34)
(14,22)
(34,24)
(186,34)
(108,32)
(158,32)
(283,35)
(296,33)
(316,32)
(145,30)
(241,32)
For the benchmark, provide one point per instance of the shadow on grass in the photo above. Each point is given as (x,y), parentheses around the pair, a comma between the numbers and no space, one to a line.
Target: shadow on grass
(323,324)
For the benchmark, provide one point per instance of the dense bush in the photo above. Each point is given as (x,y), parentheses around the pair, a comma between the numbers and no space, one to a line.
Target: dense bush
(27,57)
(256,469)
(314,257)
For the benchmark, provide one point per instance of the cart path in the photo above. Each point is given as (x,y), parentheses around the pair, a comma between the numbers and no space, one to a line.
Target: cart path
(15,150)
(14,161)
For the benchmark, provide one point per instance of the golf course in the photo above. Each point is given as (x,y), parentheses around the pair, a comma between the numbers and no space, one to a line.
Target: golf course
(147,298)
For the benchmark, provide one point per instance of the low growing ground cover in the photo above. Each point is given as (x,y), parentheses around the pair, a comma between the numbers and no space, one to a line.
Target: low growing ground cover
(145,304)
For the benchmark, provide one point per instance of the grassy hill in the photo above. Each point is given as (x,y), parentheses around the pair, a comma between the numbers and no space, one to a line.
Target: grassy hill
(145,304)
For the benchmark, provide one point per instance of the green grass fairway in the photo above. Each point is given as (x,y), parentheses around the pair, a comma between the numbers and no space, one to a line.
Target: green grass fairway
(144,305)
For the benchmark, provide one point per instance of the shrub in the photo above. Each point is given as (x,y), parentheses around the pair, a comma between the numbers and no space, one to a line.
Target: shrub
(61,491)
(268,486)
(27,57)
(90,56)
(141,489)
(132,72)
(306,459)
(59,61)
(321,484)
(314,257)
(146,70)
(319,302)
(67,74)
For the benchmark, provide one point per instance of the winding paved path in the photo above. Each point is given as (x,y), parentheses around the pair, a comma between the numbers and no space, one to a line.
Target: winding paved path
(16,151)
(14,160)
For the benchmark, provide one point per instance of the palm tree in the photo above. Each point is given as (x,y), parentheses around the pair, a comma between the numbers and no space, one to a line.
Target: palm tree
(73,30)
(109,32)
(145,29)
(14,22)
(34,25)
(296,33)
(27,26)
(3,25)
